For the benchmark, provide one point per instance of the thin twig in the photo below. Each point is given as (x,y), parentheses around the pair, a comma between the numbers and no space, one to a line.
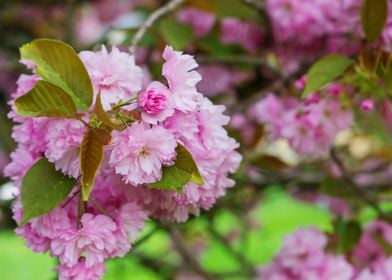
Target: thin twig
(81,210)
(120,116)
(145,238)
(70,199)
(156,265)
(165,9)
(124,103)
(100,208)
(238,256)
(187,256)
(355,188)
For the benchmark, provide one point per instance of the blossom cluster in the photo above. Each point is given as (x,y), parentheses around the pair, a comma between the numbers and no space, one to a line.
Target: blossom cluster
(303,256)
(305,28)
(247,34)
(310,126)
(159,117)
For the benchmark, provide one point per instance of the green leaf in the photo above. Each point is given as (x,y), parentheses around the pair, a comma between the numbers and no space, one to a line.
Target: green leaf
(324,71)
(43,188)
(234,8)
(183,171)
(214,46)
(336,187)
(374,15)
(58,64)
(91,156)
(45,100)
(348,233)
(175,34)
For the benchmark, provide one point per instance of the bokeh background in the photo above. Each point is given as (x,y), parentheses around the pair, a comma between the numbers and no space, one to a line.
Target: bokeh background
(238,57)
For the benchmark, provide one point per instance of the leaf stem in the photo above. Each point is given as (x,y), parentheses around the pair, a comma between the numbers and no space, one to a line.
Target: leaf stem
(124,103)
(120,116)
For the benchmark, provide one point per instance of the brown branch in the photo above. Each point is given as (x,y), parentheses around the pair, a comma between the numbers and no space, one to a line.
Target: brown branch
(144,238)
(356,189)
(246,265)
(187,256)
(70,199)
(165,9)
(154,264)
(81,210)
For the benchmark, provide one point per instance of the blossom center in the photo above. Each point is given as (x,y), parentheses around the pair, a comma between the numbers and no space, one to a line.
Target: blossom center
(153,101)
(143,152)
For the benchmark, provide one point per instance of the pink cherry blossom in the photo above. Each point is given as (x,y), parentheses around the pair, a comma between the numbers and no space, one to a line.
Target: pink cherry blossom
(64,139)
(140,152)
(114,75)
(156,103)
(200,21)
(382,271)
(80,271)
(24,84)
(179,72)
(52,224)
(310,126)
(21,161)
(94,239)
(302,257)
(211,122)
(367,105)
(30,134)
(130,221)
(246,34)
(34,240)
(219,79)
(172,114)
(369,252)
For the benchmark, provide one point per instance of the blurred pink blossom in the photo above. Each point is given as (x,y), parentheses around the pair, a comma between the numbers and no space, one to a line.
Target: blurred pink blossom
(246,34)
(200,21)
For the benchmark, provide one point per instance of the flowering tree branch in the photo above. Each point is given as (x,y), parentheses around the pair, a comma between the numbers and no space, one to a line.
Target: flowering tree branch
(188,258)
(246,266)
(165,9)
(355,188)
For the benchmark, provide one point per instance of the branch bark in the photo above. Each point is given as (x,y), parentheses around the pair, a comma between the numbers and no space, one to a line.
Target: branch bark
(189,259)
(246,265)
(356,189)
(165,9)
